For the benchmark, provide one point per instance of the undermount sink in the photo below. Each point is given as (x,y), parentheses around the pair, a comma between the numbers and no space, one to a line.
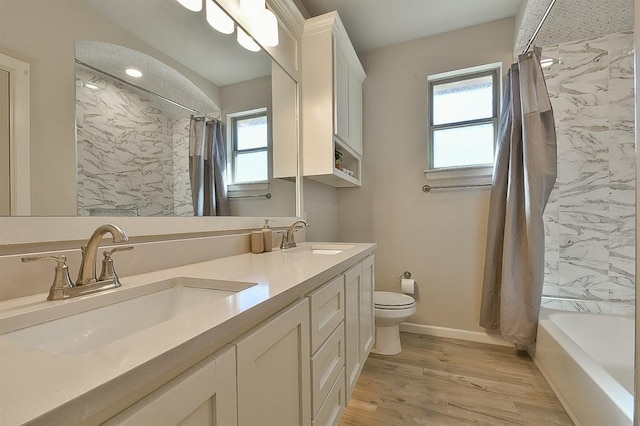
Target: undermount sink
(329,249)
(91,329)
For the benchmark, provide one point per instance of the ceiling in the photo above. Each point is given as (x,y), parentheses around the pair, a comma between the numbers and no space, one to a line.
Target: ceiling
(158,77)
(571,20)
(373,24)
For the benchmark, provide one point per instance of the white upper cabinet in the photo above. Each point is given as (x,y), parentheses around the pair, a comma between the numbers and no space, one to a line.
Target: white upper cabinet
(332,79)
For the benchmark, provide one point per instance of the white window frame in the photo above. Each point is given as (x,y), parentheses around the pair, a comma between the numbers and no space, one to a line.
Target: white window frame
(475,174)
(232,145)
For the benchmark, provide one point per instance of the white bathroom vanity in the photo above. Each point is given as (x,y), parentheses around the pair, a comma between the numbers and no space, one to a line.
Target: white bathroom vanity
(276,338)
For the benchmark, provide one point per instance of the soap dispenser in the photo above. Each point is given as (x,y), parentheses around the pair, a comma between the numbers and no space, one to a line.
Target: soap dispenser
(267,235)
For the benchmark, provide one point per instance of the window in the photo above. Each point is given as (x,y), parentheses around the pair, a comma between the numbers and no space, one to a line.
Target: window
(463,118)
(249,145)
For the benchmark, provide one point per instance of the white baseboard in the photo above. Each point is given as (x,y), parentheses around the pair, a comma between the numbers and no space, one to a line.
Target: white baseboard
(454,333)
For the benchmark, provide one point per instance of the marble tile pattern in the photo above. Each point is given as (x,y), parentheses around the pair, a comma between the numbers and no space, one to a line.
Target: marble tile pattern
(125,150)
(182,200)
(590,218)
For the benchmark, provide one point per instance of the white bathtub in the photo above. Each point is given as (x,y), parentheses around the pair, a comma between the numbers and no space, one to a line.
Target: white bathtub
(588,361)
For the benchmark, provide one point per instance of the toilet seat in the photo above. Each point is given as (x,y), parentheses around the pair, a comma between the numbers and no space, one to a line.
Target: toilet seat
(389,300)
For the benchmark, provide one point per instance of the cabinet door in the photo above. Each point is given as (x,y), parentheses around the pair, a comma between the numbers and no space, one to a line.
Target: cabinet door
(273,368)
(367,320)
(353,305)
(203,395)
(341,94)
(355,113)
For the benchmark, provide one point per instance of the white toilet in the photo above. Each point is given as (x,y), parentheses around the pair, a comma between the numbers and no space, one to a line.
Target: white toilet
(390,310)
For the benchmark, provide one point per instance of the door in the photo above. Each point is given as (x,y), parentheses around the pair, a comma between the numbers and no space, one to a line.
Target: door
(353,306)
(5,174)
(355,113)
(204,395)
(274,379)
(367,320)
(341,94)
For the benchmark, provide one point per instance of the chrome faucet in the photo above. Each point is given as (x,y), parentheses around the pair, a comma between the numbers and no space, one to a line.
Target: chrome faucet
(63,288)
(288,240)
(87,273)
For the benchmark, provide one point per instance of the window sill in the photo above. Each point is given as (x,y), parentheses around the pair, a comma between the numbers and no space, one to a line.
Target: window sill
(476,175)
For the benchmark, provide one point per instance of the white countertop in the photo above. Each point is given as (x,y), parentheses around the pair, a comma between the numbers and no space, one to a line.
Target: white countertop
(36,384)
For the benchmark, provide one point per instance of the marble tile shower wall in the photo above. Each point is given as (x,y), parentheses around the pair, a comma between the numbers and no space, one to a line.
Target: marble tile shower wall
(589,221)
(125,149)
(182,200)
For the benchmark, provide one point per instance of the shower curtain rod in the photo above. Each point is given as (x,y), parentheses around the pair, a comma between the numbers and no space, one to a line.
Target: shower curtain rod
(537,30)
(164,98)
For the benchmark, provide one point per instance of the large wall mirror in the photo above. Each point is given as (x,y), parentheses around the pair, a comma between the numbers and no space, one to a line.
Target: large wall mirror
(207,120)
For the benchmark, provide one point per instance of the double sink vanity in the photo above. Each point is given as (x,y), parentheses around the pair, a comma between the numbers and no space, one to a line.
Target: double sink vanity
(275,338)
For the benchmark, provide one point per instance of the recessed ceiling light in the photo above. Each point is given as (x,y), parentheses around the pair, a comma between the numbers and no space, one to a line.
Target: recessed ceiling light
(132,72)
(546,63)
(91,86)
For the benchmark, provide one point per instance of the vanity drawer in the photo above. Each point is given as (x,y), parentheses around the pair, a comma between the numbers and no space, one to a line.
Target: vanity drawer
(333,406)
(326,366)
(327,311)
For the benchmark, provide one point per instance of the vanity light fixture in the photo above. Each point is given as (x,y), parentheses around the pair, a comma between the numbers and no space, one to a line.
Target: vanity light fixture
(246,41)
(267,25)
(192,5)
(265,21)
(218,19)
(252,7)
(91,86)
(132,72)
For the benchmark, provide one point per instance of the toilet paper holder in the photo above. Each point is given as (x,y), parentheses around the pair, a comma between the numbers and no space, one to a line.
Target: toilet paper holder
(405,275)
(412,286)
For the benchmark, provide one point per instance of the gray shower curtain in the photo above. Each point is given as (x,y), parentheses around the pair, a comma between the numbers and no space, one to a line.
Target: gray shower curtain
(207,167)
(524,173)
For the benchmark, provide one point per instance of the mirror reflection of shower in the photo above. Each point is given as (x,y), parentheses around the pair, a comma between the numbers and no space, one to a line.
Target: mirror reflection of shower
(133,143)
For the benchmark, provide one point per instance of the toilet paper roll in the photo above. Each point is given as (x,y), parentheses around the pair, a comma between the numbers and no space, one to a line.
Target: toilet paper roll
(408,286)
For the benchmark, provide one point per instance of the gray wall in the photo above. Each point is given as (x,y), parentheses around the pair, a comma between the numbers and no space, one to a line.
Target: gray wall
(439,237)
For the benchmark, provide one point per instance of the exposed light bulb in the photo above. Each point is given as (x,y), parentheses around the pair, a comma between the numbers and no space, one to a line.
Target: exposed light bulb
(218,19)
(246,41)
(132,72)
(192,5)
(267,32)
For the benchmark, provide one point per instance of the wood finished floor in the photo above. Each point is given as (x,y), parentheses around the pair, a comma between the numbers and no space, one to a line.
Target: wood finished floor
(439,381)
